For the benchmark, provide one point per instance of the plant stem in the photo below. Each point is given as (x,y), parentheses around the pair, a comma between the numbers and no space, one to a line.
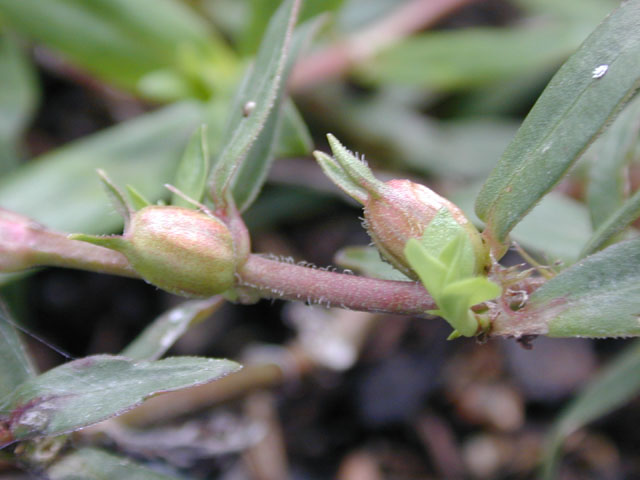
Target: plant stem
(25,244)
(337,59)
(275,279)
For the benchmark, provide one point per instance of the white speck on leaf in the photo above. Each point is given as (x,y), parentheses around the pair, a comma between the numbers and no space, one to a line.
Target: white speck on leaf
(248,108)
(175,316)
(599,71)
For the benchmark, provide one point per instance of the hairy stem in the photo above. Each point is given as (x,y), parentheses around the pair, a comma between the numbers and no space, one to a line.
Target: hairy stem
(274,279)
(25,244)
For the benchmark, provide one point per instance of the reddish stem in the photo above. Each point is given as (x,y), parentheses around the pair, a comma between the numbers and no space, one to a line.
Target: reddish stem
(336,59)
(275,279)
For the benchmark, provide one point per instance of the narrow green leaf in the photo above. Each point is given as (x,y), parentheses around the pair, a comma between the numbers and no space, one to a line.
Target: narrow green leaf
(255,99)
(15,365)
(92,389)
(608,157)
(294,138)
(18,99)
(355,168)
(583,11)
(597,297)
(137,199)
(616,223)
(191,177)
(262,10)
(95,464)
(160,335)
(62,191)
(254,169)
(114,242)
(340,177)
(117,198)
(122,41)
(581,99)
(615,385)
(471,57)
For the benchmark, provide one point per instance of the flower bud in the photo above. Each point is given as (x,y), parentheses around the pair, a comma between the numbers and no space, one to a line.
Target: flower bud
(179,250)
(400,210)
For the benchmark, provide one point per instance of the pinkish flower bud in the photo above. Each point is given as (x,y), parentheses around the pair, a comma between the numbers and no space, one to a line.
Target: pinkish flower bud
(182,251)
(399,210)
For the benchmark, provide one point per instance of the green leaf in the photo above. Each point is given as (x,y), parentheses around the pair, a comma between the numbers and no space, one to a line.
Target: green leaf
(582,98)
(255,99)
(122,41)
(446,239)
(92,389)
(597,297)
(452,256)
(582,11)
(616,223)
(19,96)
(294,138)
(367,261)
(262,10)
(137,199)
(431,271)
(608,157)
(341,177)
(457,298)
(15,365)
(96,464)
(117,198)
(471,57)
(614,386)
(61,190)
(475,290)
(253,170)
(193,169)
(160,335)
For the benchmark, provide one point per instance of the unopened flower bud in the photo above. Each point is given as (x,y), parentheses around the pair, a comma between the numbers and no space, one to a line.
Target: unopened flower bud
(182,251)
(400,210)
(396,211)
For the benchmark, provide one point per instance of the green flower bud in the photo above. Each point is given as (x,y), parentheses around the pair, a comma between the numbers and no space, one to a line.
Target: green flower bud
(399,210)
(182,251)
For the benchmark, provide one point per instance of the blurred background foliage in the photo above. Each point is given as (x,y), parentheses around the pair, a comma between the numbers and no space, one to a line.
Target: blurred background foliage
(432,90)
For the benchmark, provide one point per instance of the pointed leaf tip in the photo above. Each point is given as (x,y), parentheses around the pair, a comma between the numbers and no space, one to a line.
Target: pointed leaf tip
(113,242)
(117,198)
(355,168)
